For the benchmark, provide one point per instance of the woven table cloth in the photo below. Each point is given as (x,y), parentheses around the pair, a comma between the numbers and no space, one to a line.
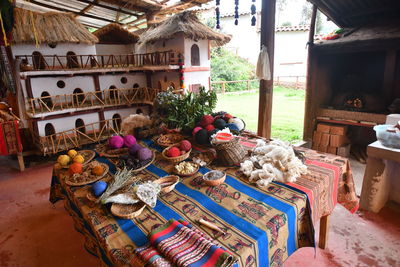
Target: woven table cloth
(263,226)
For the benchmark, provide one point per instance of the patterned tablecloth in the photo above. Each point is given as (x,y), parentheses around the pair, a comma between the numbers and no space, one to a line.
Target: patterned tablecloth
(263,226)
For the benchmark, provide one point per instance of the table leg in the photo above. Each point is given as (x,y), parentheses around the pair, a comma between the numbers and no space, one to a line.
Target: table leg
(21,162)
(323,231)
(376,186)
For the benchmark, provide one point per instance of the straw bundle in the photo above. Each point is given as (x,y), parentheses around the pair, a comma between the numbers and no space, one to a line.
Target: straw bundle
(51,27)
(116,34)
(187,23)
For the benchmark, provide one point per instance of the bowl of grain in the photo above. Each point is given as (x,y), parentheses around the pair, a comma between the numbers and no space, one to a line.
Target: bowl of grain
(214,178)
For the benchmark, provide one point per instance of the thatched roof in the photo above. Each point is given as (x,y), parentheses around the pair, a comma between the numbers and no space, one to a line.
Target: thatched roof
(51,27)
(187,23)
(115,34)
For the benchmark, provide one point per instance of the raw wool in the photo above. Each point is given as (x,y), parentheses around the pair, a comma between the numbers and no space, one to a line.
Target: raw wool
(275,161)
(129,124)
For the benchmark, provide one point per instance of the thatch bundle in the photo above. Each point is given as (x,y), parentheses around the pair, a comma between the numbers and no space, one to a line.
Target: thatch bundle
(51,27)
(115,34)
(187,23)
(143,5)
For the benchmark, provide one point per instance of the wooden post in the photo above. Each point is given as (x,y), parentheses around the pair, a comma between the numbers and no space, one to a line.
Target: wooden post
(323,231)
(389,75)
(266,87)
(297,82)
(308,112)
(248,85)
(223,87)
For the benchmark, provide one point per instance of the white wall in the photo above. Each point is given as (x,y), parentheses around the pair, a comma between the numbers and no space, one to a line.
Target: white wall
(160,77)
(114,49)
(197,77)
(290,47)
(245,40)
(61,49)
(203,47)
(175,44)
(68,122)
(124,112)
(49,84)
(115,79)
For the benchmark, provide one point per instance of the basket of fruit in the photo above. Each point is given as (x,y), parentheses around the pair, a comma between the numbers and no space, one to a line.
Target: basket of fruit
(186,168)
(177,152)
(83,157)
(82,175)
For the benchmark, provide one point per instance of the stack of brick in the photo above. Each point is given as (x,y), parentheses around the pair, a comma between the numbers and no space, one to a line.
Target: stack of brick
(331,139)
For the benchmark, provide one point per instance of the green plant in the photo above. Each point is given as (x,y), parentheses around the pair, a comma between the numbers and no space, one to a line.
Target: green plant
(226,66)
(183,111)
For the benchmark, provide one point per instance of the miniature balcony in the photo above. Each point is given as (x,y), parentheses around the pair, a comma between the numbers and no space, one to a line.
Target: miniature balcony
(86,134)
(49,105)
(39,62)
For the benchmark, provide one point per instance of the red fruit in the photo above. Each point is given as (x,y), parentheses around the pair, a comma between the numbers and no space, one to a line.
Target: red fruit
(206,120)
(210,127)
(185,145)
(173,152)
(183,152)
(227,117)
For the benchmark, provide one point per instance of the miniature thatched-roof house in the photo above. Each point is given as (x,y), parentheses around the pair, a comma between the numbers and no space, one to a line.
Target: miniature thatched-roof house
(115,34)
(113,39)
(187,23)
(50,27)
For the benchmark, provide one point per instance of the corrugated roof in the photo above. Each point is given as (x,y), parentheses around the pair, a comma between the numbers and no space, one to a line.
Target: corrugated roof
(297,28)
(355,13)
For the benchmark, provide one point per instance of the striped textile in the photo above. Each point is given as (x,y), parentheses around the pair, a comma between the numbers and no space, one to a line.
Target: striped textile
(183,247)
(263,226)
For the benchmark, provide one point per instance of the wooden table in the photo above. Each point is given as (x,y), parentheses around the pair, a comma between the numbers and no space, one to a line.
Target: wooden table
(376,183)
(264,225)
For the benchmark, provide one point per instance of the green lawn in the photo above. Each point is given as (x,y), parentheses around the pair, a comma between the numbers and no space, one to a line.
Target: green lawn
(287,111)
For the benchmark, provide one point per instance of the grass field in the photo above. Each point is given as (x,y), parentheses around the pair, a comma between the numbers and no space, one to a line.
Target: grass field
(287,113)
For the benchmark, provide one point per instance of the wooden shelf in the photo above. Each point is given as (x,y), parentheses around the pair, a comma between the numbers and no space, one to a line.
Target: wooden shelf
(33,73)
(350,117)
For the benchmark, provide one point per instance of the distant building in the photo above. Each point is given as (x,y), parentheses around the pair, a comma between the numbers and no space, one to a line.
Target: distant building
(290,43)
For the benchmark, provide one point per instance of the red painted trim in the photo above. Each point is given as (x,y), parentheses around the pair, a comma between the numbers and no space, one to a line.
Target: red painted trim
(192,69)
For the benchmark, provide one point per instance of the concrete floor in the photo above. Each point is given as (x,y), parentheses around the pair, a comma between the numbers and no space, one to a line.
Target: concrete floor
(34,232)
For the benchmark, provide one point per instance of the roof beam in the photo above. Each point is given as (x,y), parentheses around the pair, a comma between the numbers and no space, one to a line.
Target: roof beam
(113,8)
(80,13)
(87,8)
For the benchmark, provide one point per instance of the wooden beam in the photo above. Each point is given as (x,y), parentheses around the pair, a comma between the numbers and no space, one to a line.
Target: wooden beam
(266,87)
(389,76)
(70,11)
(308,124)
(95,3)
(323,231)
(87,8)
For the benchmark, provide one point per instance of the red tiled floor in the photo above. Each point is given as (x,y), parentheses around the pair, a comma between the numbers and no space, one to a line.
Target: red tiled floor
(34,232)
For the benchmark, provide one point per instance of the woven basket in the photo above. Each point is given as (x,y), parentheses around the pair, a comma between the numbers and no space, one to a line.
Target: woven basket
(175,159)
(230,153)
(127,211)
(167,183)
(166,140)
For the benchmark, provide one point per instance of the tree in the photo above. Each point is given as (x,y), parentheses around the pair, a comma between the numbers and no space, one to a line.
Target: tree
(226,66)
(286,24)
(306,14)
